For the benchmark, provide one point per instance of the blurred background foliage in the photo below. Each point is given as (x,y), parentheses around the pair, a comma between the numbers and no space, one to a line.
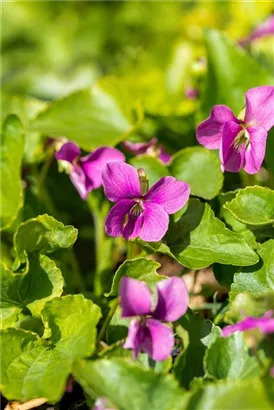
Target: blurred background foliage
(51,48)
(159,52)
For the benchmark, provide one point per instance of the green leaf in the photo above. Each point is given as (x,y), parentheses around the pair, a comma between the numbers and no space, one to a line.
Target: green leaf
(9,314)
(12,151)
(128,386)
(229,358)
(29,369)
(152,166)
(253,205)
(228,85)
(140,268)
(101,115)
(42,234)
(201,169)
(237,395)
(258,279)
(41,282)
(72,320)
(27,108)
(199,239)
(189,363)
(116,350)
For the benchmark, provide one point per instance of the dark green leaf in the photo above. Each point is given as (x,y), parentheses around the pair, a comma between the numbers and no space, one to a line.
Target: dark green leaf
(258,279)
(229,358)
(189,363)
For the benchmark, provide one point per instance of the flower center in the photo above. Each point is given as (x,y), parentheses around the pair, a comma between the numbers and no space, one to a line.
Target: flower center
(242,138)
(137,209)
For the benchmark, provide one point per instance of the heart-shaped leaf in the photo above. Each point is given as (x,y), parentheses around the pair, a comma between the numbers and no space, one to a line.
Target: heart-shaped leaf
(200,168)
(101,115)
(253,205)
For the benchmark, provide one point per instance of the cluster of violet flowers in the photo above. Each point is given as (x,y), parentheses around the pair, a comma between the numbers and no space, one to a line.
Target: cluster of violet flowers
(140,211)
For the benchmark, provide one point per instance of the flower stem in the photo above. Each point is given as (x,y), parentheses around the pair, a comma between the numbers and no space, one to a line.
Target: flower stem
(107,320)
(133,250)
(103,245)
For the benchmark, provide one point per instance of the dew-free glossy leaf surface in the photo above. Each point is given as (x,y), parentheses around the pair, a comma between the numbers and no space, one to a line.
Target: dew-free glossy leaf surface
(258,279)
(199,239)
(72,320)
(201,333)
(253,205)
(30,369)
(43,234)
(229,358)
(141,268)
(201,169)
(41,282)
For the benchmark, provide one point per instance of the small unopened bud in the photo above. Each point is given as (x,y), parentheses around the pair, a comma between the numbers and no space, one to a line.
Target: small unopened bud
(143,179)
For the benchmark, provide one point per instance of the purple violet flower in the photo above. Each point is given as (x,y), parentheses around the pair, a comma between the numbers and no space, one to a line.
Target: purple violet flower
(147,333)
(150,148)
(263,30)
(101,404)
(242,143)
(191,93)
(265,324)
(138,212)
(86,172)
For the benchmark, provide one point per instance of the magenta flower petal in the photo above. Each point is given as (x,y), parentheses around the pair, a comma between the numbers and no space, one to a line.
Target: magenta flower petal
(171,194)
(93,163)
(120,181)
(260,107)
(155,222)
(164,156)
(135,337)
(79,180)
(255,152)
(232,158)
(173,299)
(68,152)
(135,297)
(159,340)
(265,324)
(138,148)
(115,219)
(133,226)
(263,30)
(209,132)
